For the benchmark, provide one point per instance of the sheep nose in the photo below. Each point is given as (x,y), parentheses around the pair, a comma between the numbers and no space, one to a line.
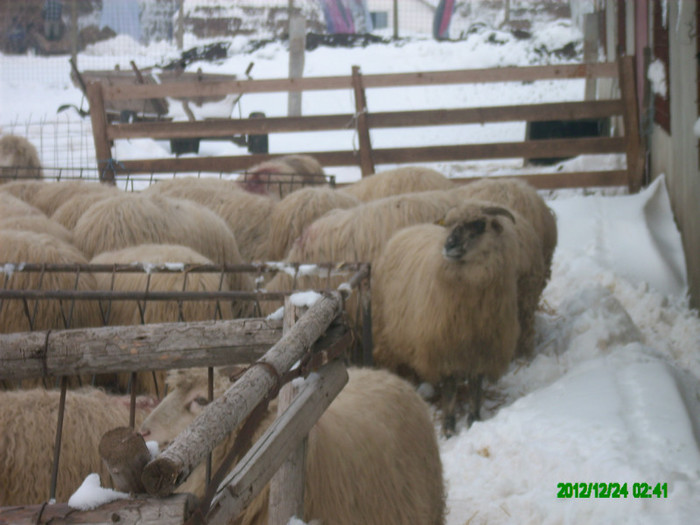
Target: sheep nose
(453,248)
(145,433)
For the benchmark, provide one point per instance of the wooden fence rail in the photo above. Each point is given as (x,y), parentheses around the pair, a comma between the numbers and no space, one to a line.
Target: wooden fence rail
(363,121)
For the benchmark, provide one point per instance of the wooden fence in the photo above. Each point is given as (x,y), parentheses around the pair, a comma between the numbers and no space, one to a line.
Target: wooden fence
(313,339)
(366,157)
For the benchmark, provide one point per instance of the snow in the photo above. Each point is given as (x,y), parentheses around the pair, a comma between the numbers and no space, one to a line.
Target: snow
(612,391)
(305,299)
(91,495)
(656,74)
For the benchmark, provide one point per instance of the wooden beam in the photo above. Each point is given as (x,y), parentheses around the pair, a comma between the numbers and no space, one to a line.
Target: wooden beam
(218,128)
(464,76)
(366,162)
(634,151)
(127,348)
(175,509)
(552,181)
(257,467)
(98,118)
(219,418)
(287,485)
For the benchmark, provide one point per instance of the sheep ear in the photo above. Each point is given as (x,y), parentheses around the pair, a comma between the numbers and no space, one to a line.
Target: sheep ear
(497,226)
(497,210)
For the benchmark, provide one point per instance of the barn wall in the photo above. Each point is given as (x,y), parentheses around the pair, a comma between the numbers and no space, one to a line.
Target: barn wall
(677,155)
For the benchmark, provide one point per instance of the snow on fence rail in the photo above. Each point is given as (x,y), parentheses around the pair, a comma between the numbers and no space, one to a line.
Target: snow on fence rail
(309,336)
(362,121)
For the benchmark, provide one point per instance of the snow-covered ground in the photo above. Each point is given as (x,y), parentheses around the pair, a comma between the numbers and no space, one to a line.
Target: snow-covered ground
(612,394)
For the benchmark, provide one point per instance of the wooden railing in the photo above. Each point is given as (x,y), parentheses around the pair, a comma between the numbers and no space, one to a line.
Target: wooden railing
(363,121)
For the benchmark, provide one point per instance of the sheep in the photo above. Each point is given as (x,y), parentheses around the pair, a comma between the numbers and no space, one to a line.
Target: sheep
(299,209)
(48,196)
(133,219)
(360,233)
(22,189)
(27,433)
(37,223)
(445,302)
(405,179)
(30,247)
(19,159)
(72,208)
(246,214)
(518,195)
(372,457)
(282,175)
(12,207)
(130,312)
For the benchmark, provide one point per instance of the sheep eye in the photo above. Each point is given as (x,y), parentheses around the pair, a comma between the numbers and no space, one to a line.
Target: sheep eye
(201,401)
(476,227)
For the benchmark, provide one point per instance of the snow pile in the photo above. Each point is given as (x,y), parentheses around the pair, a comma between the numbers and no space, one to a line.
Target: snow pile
(91,495)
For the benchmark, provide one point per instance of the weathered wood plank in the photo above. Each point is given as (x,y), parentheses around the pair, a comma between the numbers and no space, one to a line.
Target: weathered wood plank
(137,511)
(579,179)
(635,160)
(98,119)
(257,467)
(366,158)
(127,348)
(464,76)
(162,475)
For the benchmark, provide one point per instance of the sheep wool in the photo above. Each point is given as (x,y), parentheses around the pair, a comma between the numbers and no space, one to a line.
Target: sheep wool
(281,176)
(299,209)
(445,303)
(246,214)
(404,179)
(19,159)
(372,457)
(28,430)
(12,206)
(132,312)
(39,223)
(72,208)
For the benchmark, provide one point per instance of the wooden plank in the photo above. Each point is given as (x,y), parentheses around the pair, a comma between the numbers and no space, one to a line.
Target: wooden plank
(256,468)
(98,118)
(634,151)
(529,149)
(435,117)
(580,179)
(127,348)
(287,485)
(219,418)
(366,161)
(135,511)
(464,76)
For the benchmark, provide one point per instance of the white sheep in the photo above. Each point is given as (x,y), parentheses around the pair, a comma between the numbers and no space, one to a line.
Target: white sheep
(372,457)
(18,159)
(27,433)
(404,179)
(445,302)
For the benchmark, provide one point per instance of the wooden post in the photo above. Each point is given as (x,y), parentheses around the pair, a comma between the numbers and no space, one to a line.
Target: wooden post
(98,118)
(124,453)
(256,468)
(180,30)
(297,45)
(366,162)
(591,40)
(635,155)
(396,19)
(74,30)
(162,475)
(287,485)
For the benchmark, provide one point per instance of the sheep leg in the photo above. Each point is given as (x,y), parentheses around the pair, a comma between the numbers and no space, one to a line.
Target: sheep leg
(475,391)
(449,403)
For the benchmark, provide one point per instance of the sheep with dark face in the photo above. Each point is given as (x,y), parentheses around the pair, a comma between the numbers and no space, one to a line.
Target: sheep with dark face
(445,302)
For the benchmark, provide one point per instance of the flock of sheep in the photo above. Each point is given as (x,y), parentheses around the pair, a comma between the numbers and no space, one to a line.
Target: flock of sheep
(457,275)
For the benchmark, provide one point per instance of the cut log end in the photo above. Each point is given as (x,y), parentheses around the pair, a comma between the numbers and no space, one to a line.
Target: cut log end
(160,477)
(125,454)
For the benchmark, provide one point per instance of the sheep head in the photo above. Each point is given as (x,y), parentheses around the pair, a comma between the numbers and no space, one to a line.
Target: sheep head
(473,228)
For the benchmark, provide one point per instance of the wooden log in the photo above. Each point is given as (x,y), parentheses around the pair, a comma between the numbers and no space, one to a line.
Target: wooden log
(257,467)
(218,419)
(287,485)
(127,348)
(137,511)
(125,454)
(297,43)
